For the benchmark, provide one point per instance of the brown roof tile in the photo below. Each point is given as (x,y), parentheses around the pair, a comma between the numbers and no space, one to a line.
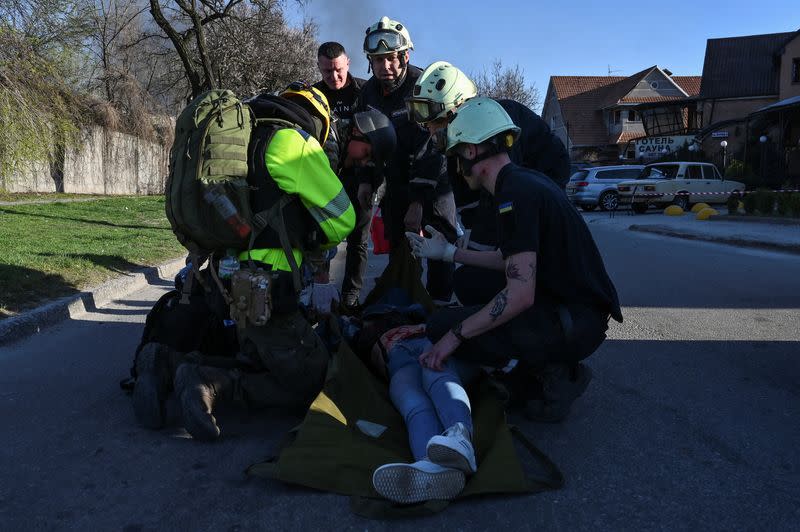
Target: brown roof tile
(690,84)
(582,98)
(625,136)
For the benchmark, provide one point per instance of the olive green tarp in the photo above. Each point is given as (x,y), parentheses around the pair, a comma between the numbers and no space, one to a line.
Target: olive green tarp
(330,452)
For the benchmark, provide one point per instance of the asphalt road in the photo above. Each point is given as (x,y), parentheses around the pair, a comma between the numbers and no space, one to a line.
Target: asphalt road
(691,422)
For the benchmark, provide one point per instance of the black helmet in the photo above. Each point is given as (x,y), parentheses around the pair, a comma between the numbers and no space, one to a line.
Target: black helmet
(379,131)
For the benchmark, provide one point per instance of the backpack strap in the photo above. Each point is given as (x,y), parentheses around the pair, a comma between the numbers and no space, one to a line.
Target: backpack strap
(273,217)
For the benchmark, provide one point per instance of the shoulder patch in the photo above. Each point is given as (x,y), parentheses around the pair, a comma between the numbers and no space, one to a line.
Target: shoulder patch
(503,208)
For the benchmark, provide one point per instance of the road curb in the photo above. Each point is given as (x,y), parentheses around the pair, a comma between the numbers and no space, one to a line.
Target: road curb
(34,321)
(755,219)
(732,240)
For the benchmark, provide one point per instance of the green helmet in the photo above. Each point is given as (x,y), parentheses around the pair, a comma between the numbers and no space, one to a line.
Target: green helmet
(387,36)
(438,91)
(479,120)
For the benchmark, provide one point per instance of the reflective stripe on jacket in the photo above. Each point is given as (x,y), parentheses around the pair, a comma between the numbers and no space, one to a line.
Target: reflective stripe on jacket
(298,165)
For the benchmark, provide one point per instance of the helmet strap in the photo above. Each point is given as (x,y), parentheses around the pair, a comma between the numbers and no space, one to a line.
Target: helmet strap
(466,165)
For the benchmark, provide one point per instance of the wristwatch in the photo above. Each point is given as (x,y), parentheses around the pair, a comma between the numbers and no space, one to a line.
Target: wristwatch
(456,330)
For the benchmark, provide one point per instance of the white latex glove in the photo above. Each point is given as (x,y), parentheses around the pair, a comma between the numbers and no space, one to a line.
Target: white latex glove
(435,248)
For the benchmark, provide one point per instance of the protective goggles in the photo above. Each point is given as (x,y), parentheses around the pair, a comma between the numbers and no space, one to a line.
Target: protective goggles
(391,41)
(422,111)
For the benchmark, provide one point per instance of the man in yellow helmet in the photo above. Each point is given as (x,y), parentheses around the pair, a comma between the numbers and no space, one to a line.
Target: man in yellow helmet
(557,299)
(417,185)
(282,362)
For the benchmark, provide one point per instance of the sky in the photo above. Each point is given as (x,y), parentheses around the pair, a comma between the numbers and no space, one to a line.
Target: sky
(552,37)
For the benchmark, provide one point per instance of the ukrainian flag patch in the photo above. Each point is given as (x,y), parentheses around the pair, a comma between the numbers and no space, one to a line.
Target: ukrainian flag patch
(506,207)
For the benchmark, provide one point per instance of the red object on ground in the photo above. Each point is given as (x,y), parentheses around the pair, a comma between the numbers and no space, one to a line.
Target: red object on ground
(380,245)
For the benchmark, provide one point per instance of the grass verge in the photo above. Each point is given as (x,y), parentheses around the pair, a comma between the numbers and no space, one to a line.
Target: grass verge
(42,196)
(57,249)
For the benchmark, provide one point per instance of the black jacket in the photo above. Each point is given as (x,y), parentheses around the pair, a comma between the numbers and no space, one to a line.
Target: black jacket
(537,147)
(343,103)
(416,165)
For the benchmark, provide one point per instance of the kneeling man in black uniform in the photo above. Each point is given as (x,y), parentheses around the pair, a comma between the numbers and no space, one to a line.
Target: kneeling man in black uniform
(554,309)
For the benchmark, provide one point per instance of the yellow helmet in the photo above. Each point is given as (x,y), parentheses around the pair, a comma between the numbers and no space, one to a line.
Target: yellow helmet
(313,101)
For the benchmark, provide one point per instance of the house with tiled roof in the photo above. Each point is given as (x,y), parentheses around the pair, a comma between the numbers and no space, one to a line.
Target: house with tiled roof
(595,116)
(747,107)
(743,76)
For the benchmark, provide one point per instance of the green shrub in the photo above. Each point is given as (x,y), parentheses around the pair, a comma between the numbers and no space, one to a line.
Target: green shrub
(733,203)
(783,203)
(735,168)
(750,203)
(794,204)
(765,201)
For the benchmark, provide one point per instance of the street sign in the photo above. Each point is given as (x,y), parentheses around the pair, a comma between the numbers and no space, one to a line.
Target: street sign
(719,135)
(656,147)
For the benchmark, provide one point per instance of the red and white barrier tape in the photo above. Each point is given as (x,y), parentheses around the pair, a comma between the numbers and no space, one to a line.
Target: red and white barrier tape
(739,193)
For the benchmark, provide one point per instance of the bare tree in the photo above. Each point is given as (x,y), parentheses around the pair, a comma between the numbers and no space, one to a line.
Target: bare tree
(242,45)
(507,83)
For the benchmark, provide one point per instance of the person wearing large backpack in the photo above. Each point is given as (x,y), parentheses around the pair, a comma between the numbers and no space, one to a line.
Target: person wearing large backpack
(257,171)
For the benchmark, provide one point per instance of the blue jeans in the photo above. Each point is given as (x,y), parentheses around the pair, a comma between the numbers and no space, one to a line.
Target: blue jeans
(430,401)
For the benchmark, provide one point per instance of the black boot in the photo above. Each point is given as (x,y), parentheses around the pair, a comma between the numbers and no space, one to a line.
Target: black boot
(561,385)
(153,384)
(198,388)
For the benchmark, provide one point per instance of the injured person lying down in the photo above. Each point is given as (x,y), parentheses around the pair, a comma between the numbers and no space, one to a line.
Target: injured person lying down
(438,417)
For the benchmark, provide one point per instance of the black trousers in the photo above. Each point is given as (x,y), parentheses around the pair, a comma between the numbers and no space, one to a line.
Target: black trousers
(540,335)
(355,263)
(439,213)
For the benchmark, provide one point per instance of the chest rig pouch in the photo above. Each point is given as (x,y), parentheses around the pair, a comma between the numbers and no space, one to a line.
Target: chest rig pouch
(251,292)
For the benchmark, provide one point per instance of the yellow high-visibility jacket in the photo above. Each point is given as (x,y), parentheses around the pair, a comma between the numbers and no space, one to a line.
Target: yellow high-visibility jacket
(298,165)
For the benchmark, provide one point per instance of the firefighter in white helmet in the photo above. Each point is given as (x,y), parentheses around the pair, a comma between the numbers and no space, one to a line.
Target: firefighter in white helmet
(418,191)
(439,91)
(553,310)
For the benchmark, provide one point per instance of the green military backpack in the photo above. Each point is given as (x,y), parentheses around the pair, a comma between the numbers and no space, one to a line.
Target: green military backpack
(216,177)
(207,196)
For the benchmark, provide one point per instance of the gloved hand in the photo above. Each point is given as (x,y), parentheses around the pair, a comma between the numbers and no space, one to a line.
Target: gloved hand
(365,196)
(435,248)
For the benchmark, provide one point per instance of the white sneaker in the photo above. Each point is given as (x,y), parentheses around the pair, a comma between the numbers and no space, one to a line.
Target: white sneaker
(453,449)
(417,482)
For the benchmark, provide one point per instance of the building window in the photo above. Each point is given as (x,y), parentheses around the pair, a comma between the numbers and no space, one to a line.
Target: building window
(796,70)
(614,117)
(632,116)
(553,122)
(654,85)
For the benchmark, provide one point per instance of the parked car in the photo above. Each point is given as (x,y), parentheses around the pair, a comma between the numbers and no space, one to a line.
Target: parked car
(678,183)
(597,186)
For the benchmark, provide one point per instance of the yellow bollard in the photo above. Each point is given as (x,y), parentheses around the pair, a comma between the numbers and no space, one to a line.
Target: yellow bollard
(706,213)
(697,207)
(673,210)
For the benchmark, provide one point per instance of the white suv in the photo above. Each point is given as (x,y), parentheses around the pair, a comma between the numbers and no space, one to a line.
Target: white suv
(597,186)
(678,183)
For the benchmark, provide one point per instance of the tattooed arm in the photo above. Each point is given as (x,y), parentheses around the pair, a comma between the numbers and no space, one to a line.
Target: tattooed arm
(515,298)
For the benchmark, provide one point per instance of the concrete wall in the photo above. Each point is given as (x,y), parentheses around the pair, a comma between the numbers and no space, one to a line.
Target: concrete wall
(104,162)
(787,88)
